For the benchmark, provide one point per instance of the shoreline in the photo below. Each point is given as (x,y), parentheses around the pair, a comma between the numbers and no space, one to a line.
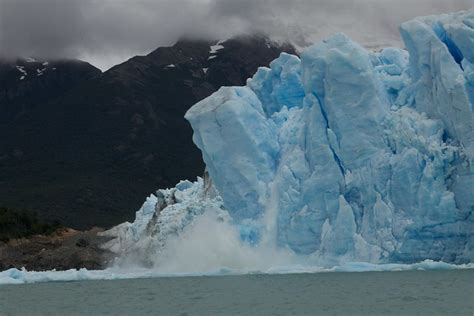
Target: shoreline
(63,250)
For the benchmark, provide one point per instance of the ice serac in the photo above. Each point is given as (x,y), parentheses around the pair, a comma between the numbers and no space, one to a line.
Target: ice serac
(164,215)
(350,155)
(241,149)
(441,67)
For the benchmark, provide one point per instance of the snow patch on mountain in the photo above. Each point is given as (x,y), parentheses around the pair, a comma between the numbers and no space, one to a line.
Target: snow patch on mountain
(22,70)
(215,48)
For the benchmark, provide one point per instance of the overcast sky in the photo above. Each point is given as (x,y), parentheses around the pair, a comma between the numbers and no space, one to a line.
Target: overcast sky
(106,32)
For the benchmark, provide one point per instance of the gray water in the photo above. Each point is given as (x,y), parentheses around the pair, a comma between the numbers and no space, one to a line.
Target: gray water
(369,293)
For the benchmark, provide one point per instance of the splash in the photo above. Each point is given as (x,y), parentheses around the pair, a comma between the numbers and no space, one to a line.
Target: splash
(211,244)
(189,231)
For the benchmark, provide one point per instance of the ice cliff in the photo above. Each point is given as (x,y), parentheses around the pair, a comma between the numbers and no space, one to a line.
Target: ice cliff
(339,155)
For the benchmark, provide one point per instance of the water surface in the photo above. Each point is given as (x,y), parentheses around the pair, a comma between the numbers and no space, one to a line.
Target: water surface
(365,293)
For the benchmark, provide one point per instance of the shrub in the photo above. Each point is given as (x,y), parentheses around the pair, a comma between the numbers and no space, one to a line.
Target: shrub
(22,223)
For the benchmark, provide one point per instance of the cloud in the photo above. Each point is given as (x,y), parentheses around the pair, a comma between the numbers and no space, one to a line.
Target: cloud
(109,31)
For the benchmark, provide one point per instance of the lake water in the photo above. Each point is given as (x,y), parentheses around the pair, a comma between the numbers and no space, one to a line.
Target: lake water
(365,293)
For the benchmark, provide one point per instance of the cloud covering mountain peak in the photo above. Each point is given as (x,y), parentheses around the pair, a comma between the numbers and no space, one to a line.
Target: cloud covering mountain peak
(110,31)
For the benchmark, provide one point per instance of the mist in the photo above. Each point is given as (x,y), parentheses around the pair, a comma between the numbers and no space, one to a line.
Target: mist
(110,31)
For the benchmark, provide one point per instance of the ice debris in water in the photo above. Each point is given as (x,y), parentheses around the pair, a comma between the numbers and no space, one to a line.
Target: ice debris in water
(15,276)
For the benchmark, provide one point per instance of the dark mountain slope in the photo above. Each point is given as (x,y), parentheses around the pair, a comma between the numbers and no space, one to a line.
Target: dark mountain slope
(90,156)
(26,83)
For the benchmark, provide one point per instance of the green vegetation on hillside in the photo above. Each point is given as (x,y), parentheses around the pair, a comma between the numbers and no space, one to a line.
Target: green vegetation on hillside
(18,224)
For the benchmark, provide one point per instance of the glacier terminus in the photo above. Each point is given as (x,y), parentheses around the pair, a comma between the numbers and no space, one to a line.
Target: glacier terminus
(338,155)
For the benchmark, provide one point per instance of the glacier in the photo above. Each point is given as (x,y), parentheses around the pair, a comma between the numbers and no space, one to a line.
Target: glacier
(341,159)
(340,155)
(348,155)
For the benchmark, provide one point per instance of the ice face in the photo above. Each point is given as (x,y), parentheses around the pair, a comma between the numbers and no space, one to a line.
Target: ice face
(337,156)
(350,155)
(441,59)
(163,215)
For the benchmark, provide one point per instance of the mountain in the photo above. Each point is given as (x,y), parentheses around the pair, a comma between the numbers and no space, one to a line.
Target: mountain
(86,154)
(27,83)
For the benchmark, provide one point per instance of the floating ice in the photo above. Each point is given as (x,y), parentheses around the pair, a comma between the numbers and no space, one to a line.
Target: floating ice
(15,276)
